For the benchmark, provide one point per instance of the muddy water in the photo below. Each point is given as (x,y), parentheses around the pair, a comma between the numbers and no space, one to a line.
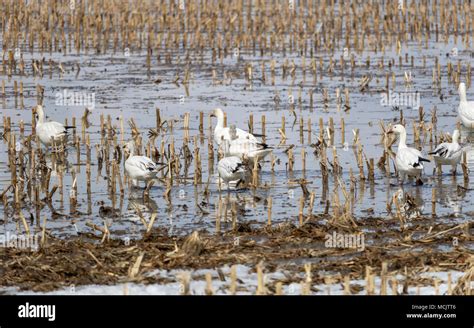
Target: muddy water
(122,86)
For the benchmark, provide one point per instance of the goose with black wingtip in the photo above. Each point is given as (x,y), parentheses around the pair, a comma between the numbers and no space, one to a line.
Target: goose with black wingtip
(408,161)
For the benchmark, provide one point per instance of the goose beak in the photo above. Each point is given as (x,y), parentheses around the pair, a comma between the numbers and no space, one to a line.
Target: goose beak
(212,115)
(390,131)
(34,109)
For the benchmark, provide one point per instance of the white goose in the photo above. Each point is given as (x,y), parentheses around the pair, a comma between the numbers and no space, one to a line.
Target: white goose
(139,168)
(222,133)
(448,153)
(47,131)
(409,161)
(242,143)
(232,169)
(244,148)
(466,108)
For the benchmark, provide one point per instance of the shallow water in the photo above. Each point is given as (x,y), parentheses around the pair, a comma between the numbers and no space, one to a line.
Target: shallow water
(246,284)
(122,87)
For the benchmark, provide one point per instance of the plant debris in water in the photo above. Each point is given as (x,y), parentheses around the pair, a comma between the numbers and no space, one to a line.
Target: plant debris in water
(78,261)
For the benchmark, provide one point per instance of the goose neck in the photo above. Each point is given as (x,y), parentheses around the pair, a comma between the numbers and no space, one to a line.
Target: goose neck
(462,95)
(403,140)
(455,137)
(220,121)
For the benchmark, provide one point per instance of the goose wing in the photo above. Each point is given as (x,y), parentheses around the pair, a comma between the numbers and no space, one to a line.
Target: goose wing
(52,129)
(221,134)
(241,146)
(241,134)
(143,163)
(232,165)
(454,150)
(446,150)
(411,157)
(440,151)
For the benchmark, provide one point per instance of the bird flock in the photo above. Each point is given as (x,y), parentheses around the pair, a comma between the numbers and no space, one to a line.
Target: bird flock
(241,151)
(409,161)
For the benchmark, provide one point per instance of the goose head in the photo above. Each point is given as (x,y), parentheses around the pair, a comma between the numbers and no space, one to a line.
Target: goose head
(39,112)
(218,113)
(129,149)
(400,131)
(397,129)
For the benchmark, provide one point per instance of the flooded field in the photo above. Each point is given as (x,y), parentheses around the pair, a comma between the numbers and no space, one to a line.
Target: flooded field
(321,89)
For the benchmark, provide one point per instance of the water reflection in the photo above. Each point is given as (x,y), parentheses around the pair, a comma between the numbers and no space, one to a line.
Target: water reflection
(448,195)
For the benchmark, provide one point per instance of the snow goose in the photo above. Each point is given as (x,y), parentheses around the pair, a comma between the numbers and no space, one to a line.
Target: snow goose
(139,168)
(244,148)
(448,153)
(409,161)
(49,131)
(232,168)
(466,108)
(223,133)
